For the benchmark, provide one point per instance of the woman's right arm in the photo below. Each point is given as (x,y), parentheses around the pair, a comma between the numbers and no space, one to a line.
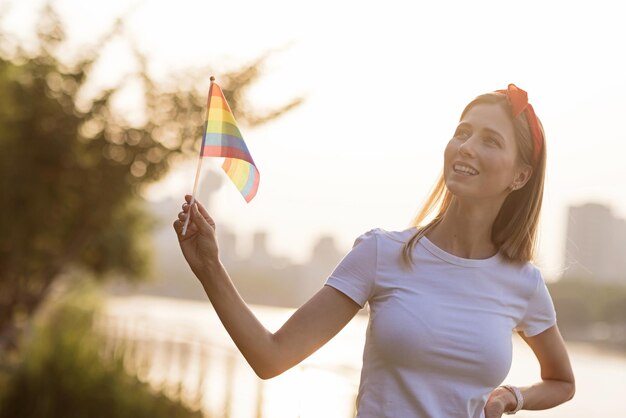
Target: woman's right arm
(269,354)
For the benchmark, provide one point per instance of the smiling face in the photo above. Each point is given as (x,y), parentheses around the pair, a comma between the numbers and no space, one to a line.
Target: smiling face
(480,161)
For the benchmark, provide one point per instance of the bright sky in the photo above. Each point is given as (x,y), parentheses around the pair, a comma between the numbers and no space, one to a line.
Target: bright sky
(385,84)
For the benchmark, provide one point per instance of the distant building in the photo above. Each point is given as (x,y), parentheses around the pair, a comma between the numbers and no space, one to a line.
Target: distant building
(260,276)
(260,256)
(325,253)
(227,242)
(324,258)
(595,246)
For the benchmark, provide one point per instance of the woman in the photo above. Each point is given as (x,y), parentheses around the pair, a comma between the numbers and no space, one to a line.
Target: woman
(443,298)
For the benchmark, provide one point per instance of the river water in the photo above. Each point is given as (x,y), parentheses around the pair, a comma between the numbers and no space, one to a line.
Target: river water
(184,343)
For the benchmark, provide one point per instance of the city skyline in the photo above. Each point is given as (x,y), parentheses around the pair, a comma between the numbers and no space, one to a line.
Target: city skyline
(261,276)
(594,249)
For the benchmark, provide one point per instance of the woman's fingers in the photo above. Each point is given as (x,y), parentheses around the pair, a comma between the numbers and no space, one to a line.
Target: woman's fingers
(180,222)
(178,227)
(203,211)
(201,208)
(192,229)
(204,223)
(195,210)
(205,214)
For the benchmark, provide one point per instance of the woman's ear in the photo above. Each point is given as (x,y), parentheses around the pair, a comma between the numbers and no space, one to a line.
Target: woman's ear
(523,174)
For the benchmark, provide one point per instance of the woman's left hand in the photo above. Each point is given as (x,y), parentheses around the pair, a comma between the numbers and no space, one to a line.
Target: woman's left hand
(499,401)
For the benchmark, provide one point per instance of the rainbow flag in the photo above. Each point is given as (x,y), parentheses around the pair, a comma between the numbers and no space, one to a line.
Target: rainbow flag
(223,139)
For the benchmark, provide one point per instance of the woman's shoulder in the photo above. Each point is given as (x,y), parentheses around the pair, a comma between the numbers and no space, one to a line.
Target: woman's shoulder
(524,268)
(399,236)
(525,274)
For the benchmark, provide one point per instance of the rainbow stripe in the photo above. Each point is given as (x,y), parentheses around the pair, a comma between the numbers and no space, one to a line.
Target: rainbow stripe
(223,139)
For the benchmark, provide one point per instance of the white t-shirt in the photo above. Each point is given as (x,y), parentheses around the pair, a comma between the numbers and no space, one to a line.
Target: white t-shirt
(439,337)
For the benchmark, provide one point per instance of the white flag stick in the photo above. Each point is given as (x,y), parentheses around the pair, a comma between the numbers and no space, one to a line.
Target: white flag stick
(196,181)
(193,195)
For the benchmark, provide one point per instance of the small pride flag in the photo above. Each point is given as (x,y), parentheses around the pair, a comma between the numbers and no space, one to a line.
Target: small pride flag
(222,138)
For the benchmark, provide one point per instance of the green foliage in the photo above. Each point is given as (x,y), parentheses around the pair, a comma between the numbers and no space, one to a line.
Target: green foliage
(62,373)
(580,302)
(72,166)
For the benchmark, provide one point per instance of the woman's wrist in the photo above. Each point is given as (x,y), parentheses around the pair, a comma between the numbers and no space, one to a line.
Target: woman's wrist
(513,399)
(505,398)
(209,271)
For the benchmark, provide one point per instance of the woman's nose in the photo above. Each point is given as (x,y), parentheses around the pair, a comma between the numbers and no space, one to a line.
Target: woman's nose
(467,147)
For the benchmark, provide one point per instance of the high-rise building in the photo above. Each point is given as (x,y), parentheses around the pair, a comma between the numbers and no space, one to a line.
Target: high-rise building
(595,246)
(227,245)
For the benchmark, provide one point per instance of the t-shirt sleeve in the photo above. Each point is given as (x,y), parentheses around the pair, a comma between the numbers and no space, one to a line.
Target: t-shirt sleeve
(540,313)
(355,274)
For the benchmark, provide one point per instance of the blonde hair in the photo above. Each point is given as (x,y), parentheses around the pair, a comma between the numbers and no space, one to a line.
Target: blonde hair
(514,230)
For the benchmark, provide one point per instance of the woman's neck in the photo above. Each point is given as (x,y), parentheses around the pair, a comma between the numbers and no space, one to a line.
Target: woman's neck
(465,231)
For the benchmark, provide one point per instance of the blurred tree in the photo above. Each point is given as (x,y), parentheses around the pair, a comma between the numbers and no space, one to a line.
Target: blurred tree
(63,371)
(583,302)
(72,167)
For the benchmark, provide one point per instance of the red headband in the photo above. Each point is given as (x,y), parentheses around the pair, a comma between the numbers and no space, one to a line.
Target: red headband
(518,99)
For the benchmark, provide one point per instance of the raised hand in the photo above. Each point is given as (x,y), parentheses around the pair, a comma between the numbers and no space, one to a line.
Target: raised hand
(199,244)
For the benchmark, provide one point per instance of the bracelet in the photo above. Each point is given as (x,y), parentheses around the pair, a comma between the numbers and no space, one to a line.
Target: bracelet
(518,396)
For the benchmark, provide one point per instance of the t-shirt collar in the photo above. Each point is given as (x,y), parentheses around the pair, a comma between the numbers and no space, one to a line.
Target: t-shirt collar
(459,261)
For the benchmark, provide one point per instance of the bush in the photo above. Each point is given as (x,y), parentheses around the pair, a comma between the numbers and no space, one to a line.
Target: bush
(583,302)
(61,373)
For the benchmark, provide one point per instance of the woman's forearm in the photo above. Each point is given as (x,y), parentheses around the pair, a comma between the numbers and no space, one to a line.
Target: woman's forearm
(547,394)
(254,341)
(269,354)
(543,395)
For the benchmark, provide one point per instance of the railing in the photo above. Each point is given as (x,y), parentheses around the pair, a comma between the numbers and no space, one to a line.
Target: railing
(213,376)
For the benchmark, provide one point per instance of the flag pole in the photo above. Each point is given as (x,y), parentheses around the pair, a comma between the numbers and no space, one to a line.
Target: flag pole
(197,180)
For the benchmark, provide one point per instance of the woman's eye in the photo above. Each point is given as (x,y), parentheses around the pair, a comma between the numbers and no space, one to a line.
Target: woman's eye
(459,132)
(492,140)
